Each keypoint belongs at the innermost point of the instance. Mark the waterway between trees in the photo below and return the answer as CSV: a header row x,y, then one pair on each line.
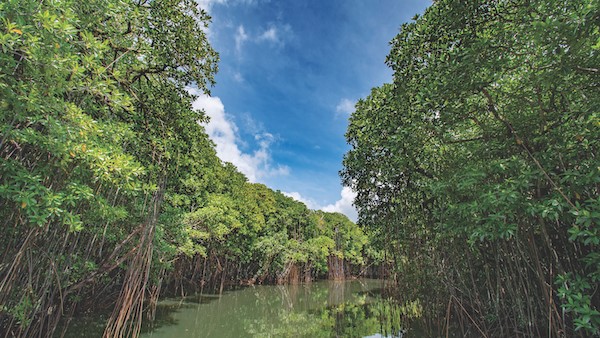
x,y
353,308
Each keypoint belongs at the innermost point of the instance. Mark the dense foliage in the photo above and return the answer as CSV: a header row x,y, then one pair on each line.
x,y
480,163
109,186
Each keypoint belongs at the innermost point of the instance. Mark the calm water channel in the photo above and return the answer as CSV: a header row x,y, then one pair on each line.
x,y
320,309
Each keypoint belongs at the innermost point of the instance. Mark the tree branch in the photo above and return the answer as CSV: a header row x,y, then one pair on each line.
x,y
519,141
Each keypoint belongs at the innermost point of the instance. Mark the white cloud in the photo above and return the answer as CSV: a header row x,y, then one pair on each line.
x,y
206,27
207,4
274,35
344,204
237,76
308,202
269,35
240,38
345,106
223,131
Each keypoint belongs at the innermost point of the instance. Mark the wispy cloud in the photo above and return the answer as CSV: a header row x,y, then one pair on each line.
x,y
345,107
223,131
240,38
238,77
274,35
277,34
207,4
269,35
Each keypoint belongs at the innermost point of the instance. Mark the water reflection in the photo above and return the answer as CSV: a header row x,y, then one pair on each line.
x,y
321,309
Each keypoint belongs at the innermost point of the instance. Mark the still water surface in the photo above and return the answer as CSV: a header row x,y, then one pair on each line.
x,y
353,308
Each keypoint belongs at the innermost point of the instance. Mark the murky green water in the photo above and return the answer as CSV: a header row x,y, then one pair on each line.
x,y
321,309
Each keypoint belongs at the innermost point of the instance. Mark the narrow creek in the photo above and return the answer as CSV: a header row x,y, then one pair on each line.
x,y
353,308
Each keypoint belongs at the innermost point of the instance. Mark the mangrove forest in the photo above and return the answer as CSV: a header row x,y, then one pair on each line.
x,y
476,172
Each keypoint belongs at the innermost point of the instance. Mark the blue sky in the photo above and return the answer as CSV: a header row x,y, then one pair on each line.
x,y
289,75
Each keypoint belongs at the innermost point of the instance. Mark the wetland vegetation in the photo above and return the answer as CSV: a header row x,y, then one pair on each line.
x,y
477,175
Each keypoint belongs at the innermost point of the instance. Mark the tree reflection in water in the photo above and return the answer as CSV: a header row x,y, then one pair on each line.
x,y
345,313
321,309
